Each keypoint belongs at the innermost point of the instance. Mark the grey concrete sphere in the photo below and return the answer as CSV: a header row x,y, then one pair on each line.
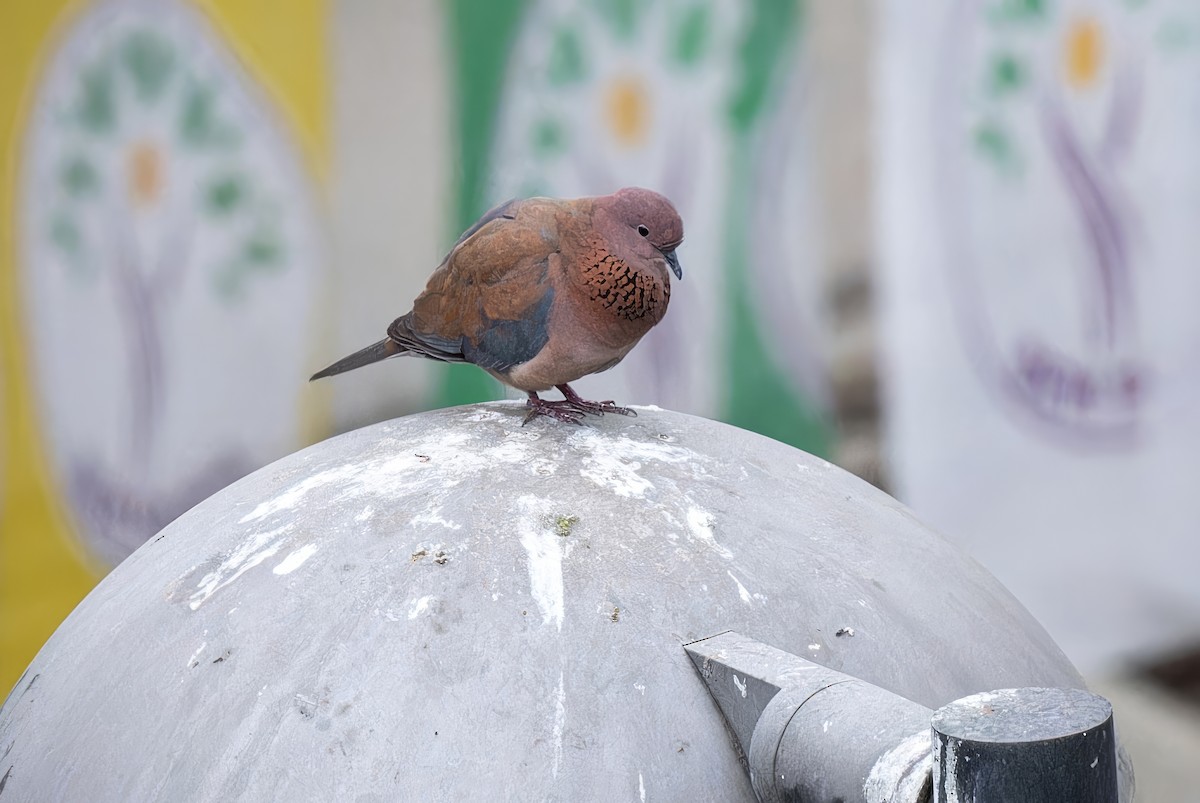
x,y
452,606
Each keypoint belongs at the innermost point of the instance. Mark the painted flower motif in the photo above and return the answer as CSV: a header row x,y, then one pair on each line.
x,y
166,247
601,96
1059,229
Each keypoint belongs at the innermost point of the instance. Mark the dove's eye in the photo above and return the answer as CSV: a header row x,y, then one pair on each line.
x,y
642,230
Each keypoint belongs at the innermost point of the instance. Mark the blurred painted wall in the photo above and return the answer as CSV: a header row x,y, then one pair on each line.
x,y
1037,206
162,259
201,201
206,200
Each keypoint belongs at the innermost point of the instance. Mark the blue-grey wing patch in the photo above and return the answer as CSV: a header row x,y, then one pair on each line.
x,y
427,345
503,345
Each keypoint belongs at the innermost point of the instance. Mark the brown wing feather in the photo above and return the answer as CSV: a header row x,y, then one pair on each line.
x,y
496,274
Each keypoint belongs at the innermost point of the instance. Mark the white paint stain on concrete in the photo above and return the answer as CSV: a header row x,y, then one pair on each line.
x,y
641,788
455,457
675,525
445,458
511,450
419,606
560,722
253,551
542,467
641,687
295,559
545,550
740,685
288,499
902,772
615,473
742,592
194,660
434,516
700,525
484,414
613,463
814,647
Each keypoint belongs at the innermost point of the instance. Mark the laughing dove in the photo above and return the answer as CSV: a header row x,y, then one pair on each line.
x,y
541,292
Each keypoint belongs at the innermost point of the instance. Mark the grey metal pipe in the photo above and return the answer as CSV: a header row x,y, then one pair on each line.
x,y
844,740
811,733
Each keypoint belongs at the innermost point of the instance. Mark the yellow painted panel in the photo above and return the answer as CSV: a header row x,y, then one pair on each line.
x,y
43,571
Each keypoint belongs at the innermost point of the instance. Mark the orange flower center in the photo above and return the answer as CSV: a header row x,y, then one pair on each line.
x,y
1084,56
146,171
628,111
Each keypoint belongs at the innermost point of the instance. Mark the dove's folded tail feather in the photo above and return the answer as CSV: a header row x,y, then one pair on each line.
x,y
373,353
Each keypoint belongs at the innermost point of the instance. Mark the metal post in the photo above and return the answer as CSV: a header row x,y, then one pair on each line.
x,y
1032,745
810,733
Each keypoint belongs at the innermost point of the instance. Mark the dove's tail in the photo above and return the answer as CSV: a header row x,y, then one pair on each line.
x,y
374,353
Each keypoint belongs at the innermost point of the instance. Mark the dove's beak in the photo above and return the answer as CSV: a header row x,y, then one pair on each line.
x,y
673,261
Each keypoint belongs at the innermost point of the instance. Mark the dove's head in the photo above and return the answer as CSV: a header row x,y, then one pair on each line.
x,y
651,225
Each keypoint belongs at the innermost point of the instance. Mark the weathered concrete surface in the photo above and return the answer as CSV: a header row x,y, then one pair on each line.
x,y
451,606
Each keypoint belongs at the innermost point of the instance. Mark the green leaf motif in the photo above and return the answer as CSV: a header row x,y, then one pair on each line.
x,y
199,126
150,60
1019,11
66,236
996,146
771,30
1006,75
691,39
262,252
566,59
225,195
549,138
263,249
1174,36
97,108
79,178
227,282
621,15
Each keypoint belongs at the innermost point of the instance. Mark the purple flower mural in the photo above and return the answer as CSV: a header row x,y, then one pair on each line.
x,y
1042,111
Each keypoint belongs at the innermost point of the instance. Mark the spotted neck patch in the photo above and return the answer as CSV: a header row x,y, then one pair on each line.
x,y
628,293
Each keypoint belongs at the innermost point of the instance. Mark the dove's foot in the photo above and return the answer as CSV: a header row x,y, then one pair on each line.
x,y
573,401
559,410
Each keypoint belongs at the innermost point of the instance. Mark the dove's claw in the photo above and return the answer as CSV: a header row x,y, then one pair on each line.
x,y
559,410
576,402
